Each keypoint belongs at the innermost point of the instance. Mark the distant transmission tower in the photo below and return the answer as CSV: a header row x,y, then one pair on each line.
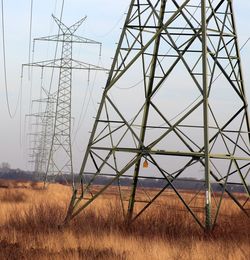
x,y
60,155
174,102
41,141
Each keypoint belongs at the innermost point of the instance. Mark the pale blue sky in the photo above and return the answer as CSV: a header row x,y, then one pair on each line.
x,y
105,17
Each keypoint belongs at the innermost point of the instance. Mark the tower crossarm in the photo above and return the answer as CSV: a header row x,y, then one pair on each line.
x,y
50,100
172,153
56,63
72,39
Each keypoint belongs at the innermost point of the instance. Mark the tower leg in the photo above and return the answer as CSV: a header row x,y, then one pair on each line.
x,y
146,110
206,119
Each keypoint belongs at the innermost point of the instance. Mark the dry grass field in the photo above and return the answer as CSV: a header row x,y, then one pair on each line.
x,y
29,219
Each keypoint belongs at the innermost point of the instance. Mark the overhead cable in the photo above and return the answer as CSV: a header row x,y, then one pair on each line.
x,y
53,69
30,31
4,62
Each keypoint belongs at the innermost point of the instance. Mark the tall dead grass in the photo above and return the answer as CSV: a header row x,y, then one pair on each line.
x,y
10,196
30,230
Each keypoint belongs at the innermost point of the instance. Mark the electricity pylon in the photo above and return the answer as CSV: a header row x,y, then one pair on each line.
x,y
60,155
41,143
185,114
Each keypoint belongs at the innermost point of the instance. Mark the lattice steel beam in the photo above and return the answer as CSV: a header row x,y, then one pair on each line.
x,y
185,110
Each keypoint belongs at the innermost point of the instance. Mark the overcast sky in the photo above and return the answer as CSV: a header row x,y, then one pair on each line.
x,y
105,18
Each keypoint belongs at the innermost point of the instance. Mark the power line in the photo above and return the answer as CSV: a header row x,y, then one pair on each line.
x,y
113,27
86,105
55,6
52,75
19,97
33,50
246,42
241,48
30,30
30,40
57,43
4,62
20,112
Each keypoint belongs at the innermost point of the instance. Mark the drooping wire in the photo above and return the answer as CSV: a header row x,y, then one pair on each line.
x,y
113,27
30,74
20,111
52,75
246,42
30,33
57,43
55,6
241,48
187,107
86,104
33,49
136,84
51,26
4,63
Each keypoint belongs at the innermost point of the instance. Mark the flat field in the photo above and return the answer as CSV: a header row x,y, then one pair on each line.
x,y
30,219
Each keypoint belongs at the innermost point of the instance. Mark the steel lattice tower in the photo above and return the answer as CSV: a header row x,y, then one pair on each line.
x,y
60,155
47,133
48,128
41,143
185,113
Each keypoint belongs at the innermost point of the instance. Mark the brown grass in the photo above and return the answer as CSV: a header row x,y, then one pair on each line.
x,y
12,196
30,218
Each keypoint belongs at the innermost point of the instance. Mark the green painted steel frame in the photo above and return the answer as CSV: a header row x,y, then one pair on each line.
x,y
204,155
